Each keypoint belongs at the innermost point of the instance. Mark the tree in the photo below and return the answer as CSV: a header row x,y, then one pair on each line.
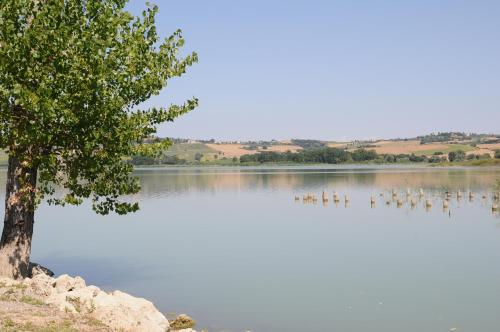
x,y
458,155
73,75
418,159
363,155
435,159
497,154
198,156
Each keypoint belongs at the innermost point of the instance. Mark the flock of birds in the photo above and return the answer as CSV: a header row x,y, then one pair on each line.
x,y
410,197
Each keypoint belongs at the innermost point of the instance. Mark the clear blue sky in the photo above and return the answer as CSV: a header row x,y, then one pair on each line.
x,y
334,69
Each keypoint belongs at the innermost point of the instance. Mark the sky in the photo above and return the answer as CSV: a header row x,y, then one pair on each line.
x,y
333,70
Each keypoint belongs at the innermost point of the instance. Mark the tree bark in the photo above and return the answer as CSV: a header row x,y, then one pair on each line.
x,y
15,245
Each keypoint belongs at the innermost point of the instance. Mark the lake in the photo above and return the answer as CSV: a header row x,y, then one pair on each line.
x,y
232,248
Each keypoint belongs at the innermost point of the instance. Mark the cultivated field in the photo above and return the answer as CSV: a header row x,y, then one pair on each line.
x,y
414,146
237,150
407,147
338,145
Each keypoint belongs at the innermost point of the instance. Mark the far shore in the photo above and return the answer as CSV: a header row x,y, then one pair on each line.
x,y
486,164
473,163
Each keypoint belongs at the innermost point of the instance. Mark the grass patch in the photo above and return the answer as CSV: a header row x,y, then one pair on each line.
x,y
64,326
30,300
188,151
19,286
39,314
91,321
7,322
5,298
9,325
7,295
15,286
480,163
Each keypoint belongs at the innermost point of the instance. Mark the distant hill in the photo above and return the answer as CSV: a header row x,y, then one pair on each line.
x,y
189,151
459,137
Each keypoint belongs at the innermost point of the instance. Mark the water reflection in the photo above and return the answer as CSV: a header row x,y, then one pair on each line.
x,y
182,181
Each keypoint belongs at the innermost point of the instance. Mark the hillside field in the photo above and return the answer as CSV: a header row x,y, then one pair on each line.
x,y
237,150
414,146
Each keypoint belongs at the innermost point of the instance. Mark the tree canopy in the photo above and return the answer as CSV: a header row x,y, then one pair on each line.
x,y
73,76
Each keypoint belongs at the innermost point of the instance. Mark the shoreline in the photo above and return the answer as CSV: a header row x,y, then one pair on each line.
x,y
491,163
318,166
470,163
64,303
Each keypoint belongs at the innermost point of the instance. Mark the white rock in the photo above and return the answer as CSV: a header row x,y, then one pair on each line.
x,y
65,283
118,310
41,284
123,311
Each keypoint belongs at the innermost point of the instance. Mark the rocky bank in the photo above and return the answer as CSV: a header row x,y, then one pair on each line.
x,y
67,304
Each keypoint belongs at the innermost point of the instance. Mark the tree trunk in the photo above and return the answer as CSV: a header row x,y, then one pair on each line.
x,y
15,245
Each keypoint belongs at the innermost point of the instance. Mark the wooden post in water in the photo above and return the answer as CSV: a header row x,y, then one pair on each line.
x,y
399,203
445,204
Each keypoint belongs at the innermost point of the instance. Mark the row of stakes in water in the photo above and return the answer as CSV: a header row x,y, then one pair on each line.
x,y
311,198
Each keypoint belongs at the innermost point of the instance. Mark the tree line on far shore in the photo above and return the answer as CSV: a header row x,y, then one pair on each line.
x,y
324,155
339,156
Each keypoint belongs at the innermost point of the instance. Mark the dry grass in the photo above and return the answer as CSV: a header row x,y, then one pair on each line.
x,y
414,146
338,145
491,147
20,310
237,150
481,151
19,316
283,148
407,147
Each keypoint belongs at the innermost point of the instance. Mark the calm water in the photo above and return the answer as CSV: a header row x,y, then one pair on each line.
x,y
233,249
